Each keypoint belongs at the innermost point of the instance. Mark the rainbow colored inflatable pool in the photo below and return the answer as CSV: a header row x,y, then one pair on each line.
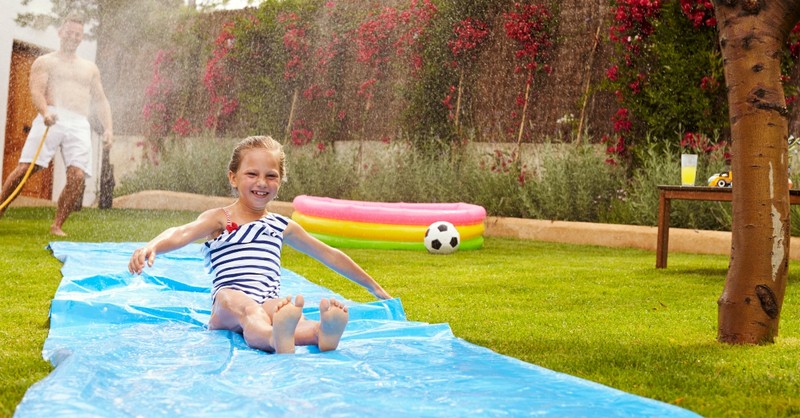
x,y
360,224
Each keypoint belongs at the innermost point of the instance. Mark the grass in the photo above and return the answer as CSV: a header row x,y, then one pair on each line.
x,y
602,314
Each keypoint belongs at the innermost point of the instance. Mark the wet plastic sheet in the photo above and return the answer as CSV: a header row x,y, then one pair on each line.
x,y
128,345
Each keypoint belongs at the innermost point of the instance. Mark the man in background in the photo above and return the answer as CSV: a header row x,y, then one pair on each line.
x,y
65,88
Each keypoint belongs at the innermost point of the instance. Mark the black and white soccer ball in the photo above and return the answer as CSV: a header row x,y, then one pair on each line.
x,y
442,238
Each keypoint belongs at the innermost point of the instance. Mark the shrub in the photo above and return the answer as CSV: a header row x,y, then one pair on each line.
x,y
565,182
192,165
575,184
668,77
316,173
659,166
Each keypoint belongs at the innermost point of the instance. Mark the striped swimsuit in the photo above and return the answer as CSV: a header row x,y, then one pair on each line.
x,y
248,258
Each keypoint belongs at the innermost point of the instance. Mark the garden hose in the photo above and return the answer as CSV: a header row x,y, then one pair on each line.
x,y
27,173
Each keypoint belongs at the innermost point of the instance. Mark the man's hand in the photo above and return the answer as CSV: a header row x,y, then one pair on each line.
x,y
108,139
50,119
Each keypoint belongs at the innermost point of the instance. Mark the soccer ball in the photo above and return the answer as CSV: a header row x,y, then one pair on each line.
x,y
442,238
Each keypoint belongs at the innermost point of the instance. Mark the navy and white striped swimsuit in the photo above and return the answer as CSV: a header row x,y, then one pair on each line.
x,y
248,259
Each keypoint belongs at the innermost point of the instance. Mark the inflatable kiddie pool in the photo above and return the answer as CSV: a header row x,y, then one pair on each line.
x,y
360,224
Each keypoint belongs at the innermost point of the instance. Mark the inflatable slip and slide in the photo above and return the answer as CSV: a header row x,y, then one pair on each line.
x,y
125,345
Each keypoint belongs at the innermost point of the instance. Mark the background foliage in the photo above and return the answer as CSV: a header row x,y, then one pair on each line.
x,y
324,71
569,182
668,79
425,79
375,70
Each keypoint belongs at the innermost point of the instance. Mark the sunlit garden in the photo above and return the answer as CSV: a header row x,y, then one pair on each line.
x,y
543,110
416,89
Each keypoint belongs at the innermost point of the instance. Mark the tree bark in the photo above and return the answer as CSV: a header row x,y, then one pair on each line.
x,y
752,35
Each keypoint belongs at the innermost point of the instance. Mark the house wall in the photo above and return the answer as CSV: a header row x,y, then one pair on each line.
x,y
46,40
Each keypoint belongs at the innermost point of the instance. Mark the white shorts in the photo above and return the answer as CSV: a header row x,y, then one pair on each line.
x,y
71,132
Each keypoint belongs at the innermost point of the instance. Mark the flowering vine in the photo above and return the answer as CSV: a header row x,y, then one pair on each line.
x,y
791,71
391,33
699,12
660,42
296,44
386,36
531,27
218,81
157,96
794,42
301,134
324,56
698,143
632,25
155,112
469,35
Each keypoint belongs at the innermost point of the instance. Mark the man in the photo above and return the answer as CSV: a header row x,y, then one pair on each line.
x,y
64,88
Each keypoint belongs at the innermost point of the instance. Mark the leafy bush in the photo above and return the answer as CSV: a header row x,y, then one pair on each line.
x,y
317,174
659,166
668,76
575,184
196,165
566,182
687,56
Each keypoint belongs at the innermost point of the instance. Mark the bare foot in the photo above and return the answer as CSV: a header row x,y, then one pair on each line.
x,y
333,318
284,322
56,230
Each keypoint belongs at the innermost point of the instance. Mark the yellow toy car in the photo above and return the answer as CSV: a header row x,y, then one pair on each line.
x,y
723,179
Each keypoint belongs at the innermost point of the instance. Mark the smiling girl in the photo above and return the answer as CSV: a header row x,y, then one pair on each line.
x,y
243,252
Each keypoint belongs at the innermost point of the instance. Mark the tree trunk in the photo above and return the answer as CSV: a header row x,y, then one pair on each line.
x,y
752,35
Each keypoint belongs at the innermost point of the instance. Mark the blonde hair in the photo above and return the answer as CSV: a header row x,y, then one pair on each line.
x,y
258,142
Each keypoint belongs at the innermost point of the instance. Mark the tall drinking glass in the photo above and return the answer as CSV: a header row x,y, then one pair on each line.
x,y
688,169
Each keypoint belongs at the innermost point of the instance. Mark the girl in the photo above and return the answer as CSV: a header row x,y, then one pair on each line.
x,y
244,251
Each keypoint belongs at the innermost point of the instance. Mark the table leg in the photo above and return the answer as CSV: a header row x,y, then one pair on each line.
x,y
662,243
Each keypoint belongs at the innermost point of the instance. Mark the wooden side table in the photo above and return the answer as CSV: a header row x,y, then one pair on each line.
x,y
668,193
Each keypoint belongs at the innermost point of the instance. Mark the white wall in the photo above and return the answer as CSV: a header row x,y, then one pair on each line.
x,y
46,40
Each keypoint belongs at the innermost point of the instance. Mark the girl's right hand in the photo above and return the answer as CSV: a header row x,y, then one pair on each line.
x,y
141,257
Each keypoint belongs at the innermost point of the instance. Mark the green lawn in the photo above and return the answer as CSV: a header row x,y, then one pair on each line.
x,y
603,314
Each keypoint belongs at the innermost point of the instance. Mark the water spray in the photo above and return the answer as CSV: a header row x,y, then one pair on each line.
x,y
27,173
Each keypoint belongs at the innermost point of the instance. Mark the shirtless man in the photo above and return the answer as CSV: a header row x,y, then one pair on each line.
x,y
64,88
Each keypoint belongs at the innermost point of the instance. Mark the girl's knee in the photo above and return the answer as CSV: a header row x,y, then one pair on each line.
x,y
256,313
233,311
